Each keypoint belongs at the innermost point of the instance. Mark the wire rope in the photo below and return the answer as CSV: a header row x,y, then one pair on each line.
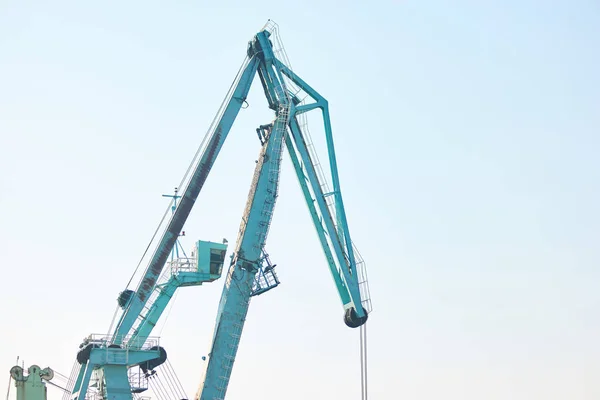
x,y
363,362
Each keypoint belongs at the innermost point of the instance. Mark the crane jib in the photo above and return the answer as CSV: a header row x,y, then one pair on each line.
x,y
207,159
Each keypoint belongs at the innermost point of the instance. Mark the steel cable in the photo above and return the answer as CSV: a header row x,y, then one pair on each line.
x,y
363,362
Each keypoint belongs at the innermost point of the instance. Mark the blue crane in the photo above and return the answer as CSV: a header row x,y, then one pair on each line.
x,y
108,359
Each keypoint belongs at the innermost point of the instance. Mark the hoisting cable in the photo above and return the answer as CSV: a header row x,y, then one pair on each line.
x,y
362,368
159,382
195,160
184,181
156,388
63,382
150,243
8,391
66,378
166,382
9,379
71,380
363,362
168,313
176,380
169,375
114,318
60,387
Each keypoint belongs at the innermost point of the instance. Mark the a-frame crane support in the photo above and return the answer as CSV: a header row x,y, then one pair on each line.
x,y
333,231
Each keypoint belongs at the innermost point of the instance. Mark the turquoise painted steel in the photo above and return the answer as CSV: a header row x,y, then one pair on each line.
x,y
209,265
247,259
235,298
211,257
340,212
112,372
112,363
187,201
165,294
31,386
326,222
124,329
253,231
321,232
340,235
114,381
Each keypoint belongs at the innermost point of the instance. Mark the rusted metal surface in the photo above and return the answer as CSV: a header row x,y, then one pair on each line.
x,y
188,199
181,213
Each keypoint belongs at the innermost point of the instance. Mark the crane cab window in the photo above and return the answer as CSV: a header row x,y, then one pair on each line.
x,y
217,258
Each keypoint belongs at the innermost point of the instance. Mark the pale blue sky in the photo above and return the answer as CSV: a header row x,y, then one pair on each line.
x,y
467,136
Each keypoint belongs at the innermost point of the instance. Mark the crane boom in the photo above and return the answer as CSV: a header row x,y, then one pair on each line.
x,y
329,216
207,159
245,265
253,232
129,344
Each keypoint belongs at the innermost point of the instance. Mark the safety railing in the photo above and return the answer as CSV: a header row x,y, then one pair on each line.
x,y
129,343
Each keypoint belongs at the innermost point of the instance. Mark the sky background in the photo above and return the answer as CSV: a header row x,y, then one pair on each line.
x,y
467,142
